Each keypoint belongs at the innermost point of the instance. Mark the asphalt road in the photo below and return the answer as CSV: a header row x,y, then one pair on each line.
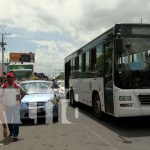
x,y
83,132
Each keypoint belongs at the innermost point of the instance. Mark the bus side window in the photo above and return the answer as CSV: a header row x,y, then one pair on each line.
x,y
83,62
100,60
93,59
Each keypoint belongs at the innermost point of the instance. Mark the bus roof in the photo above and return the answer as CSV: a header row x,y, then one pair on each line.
x,y
90,42
110,29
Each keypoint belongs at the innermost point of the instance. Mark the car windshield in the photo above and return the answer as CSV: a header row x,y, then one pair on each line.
x,y
36,87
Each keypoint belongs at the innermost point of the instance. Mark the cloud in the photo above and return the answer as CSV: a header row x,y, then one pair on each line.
x,y
81,20
50,55
76,21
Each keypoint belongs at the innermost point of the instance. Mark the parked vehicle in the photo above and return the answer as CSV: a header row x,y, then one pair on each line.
x,y
39,100
61,88
58,88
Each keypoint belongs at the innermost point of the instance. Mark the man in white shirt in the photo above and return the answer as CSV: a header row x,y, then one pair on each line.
x,y
12,107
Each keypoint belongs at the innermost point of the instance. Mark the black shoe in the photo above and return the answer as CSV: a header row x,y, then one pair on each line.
x,y
15,139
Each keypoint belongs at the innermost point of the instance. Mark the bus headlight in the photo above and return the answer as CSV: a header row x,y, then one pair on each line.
x,y
124,98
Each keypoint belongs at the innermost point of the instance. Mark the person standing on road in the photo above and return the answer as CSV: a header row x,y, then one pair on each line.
x,y
12,106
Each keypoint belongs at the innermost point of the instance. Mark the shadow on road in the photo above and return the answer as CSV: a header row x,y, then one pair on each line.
x,y
124,127
30,122
9,140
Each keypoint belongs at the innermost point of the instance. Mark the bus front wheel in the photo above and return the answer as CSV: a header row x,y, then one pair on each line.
x,y
97,107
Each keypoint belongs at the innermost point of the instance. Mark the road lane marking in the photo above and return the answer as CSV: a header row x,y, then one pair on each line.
x,y
99,137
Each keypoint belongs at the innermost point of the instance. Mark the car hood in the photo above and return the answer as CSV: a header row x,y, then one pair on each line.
x,y
37,98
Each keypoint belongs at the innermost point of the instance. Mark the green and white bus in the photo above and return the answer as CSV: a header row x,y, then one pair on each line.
x,y
112,72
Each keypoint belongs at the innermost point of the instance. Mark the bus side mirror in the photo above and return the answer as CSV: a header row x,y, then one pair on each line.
x,y
118,45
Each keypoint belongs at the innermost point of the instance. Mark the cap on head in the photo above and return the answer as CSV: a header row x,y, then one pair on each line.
x,y
10,74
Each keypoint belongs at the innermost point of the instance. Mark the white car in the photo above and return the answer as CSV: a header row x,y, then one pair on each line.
x,y
58,88
61,88
39,101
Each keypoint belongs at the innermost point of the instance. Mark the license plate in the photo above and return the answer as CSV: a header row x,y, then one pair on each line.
x,y
33,111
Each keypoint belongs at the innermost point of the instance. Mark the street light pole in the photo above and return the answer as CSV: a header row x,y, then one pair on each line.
x,y
3,49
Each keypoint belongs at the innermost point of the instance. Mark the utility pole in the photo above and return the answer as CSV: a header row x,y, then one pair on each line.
x,y
141,20
59,72
3,49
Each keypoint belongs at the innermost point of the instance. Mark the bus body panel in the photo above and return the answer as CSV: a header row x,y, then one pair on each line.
x,y
81,89
135,107
143,97
126,108
84,88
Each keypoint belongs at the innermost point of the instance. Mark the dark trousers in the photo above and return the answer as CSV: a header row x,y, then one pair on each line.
x,y
14,129
13,119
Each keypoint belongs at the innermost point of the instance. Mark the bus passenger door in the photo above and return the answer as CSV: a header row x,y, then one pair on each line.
x,y
108,84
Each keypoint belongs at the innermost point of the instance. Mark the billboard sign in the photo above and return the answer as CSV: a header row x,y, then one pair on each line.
x,y
14,66
21,57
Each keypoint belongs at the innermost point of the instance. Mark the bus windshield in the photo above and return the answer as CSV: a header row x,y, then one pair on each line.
x,y
22,74
132,63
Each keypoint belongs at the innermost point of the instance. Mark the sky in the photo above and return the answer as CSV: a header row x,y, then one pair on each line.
x,y
53,29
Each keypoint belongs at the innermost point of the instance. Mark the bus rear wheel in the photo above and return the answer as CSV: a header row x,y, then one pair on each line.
x,y
97,107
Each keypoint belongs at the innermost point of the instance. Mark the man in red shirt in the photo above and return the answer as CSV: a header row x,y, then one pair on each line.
x,y
12,107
